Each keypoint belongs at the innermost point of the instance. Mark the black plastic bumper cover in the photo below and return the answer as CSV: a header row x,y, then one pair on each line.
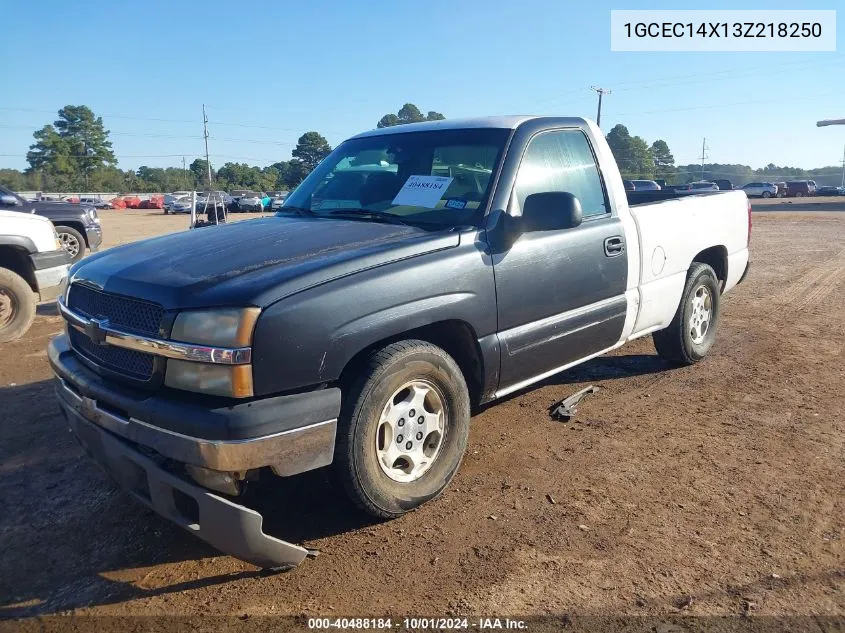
x,y
227,526
195,415
49,259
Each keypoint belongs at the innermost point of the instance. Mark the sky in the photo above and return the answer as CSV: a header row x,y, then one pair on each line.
x,y
269,71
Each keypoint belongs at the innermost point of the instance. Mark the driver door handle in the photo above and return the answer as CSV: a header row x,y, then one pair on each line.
x,y
614,246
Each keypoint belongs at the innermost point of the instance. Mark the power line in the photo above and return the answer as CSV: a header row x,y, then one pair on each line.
x,y
726,105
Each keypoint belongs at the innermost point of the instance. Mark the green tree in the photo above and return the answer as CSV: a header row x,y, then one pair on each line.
x,y
641,160
408,113
664,162
310,149
71,149
199,168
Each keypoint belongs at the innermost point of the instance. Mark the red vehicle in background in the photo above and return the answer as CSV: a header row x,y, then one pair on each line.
x,y
132,202
118,203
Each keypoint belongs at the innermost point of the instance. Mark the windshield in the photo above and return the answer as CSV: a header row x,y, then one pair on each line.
x,y
436,179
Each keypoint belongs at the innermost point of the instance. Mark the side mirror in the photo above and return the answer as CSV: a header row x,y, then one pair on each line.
x,y
8,201
551,211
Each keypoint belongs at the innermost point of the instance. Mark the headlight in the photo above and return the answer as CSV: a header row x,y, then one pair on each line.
x,y
229,327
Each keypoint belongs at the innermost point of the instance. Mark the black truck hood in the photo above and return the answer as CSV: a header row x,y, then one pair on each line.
x,y
252,262
56,209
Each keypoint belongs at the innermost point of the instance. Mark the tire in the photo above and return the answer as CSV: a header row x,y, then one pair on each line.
x,y
799,194
17,306
365,437
766,194
676,343
72,241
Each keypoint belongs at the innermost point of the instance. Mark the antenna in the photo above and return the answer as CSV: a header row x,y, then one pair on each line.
x,y
601,92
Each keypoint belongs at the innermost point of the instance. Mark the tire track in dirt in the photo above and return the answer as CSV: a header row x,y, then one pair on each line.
x,y
824,288
814,285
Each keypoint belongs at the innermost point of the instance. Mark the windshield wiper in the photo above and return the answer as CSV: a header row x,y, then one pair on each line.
x,y
298,210
369,214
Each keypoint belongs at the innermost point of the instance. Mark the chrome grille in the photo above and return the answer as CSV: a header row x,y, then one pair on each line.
x,y
134,364
122,312
125,313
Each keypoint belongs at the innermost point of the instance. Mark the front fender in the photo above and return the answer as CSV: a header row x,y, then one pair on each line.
x,y
309,338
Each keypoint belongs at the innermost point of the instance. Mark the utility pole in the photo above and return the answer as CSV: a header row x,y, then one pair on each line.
x,y
601,92
184,175
205,135
843,167
704,156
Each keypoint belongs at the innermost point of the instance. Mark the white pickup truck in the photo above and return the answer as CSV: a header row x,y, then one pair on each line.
x,y
418,271
33,268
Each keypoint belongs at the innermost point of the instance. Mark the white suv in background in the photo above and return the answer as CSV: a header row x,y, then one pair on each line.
x,y
760,190
33,268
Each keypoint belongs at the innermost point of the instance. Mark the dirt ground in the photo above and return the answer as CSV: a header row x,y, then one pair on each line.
x,y
713,489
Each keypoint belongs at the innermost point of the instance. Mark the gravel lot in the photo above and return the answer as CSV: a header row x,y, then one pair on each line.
x,y
713,489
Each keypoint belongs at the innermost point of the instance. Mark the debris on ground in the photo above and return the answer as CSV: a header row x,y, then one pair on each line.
x,y
566,409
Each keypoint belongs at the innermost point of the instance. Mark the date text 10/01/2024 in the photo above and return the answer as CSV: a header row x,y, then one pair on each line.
x,y
416,624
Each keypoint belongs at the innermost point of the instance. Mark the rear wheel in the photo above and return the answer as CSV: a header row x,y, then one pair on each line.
x,y
766,194
403,429
17,306
72,241
799,194
692,331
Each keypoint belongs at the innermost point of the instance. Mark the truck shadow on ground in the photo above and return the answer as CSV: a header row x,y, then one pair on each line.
x,y
597,370
70,538
76,540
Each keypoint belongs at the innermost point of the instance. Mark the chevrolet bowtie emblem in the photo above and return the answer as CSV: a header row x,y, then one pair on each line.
x,y
96,330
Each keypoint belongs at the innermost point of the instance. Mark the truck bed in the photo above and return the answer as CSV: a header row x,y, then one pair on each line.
x,y
646,197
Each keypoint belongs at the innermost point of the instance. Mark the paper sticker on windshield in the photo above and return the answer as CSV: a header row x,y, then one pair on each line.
x,y
422,191
456,203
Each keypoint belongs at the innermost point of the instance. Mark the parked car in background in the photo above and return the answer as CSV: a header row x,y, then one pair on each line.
x,y
646,185
277,199
96,201
77,225
760,190
171,198
181,205
132,202
698,187
830,190
723,184
153,202
33,268
251,201
800,188
629,185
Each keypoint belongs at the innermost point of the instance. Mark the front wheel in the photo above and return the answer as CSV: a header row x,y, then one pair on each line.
x,y
72,241
17,306
692,331
403,428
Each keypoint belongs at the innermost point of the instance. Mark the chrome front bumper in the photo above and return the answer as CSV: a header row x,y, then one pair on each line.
x,y
227,526
287,453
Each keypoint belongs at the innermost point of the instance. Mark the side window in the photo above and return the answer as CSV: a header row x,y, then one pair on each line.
x,y
562,161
